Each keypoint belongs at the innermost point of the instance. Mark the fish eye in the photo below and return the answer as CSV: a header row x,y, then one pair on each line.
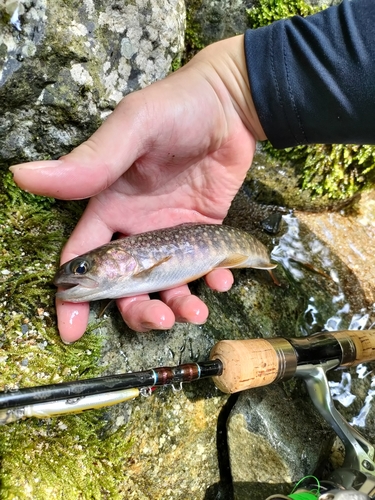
x,y
80,267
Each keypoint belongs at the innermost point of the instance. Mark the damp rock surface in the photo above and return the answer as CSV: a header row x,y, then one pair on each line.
x,y
265,457
65,65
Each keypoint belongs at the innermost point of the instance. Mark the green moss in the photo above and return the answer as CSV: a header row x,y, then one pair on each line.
x,y
338,171
16,195
4,16
52,459
193,39
268,11
31,241
176,63
193,35
33,230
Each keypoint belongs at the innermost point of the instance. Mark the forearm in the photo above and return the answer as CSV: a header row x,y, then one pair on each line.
x,y
312,80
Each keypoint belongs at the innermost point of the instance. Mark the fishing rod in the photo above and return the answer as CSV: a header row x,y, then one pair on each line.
x,y
74,397
234,365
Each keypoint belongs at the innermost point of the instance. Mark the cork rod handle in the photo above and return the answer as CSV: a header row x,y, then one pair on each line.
x,y
364,342
246,364
258,362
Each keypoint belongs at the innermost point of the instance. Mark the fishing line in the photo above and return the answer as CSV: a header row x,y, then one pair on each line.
x,y
303,496
306,495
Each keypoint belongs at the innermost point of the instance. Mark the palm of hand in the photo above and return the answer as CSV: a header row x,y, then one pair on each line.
x,y
193,163
171,189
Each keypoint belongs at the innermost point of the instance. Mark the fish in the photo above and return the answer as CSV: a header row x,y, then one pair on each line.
x,y
158,260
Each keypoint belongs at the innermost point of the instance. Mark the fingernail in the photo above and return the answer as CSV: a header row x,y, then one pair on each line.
x,y
148,326
35,165
180,319
66,342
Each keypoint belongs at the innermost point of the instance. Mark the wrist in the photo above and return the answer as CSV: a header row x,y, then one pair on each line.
x,y
227,59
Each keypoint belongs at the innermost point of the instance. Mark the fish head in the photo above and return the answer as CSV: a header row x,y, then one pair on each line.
x,y
96,275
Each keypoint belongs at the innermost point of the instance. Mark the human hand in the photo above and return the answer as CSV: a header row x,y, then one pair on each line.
x,y
176,151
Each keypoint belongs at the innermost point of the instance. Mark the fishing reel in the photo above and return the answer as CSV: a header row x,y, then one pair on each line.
x,y
355,480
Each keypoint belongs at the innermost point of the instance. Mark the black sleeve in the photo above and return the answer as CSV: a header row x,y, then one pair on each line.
x,y
313,79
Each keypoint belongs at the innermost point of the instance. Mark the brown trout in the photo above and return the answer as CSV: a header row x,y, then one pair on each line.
x,y
158,260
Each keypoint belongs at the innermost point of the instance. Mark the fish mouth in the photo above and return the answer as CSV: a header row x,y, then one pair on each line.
x,y
70,281
76,293
75,288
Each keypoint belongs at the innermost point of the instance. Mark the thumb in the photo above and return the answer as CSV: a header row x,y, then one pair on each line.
x,y
92,166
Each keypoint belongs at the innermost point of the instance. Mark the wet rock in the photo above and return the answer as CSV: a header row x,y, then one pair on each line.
x,y
272,223
269,453
350,234
65,65
307,302
174,451
171,444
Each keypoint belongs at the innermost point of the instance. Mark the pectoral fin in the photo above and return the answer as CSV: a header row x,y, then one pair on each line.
x,y
146,271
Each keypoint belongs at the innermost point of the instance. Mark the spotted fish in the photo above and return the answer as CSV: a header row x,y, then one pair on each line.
x,y
158,260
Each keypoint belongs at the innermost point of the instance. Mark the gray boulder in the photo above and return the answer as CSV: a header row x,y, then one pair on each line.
x,y
274,440
65,65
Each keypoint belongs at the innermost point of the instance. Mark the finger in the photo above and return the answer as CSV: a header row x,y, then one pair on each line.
x,y
90,232
220,280
72,320
143,314
92,166
186,307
